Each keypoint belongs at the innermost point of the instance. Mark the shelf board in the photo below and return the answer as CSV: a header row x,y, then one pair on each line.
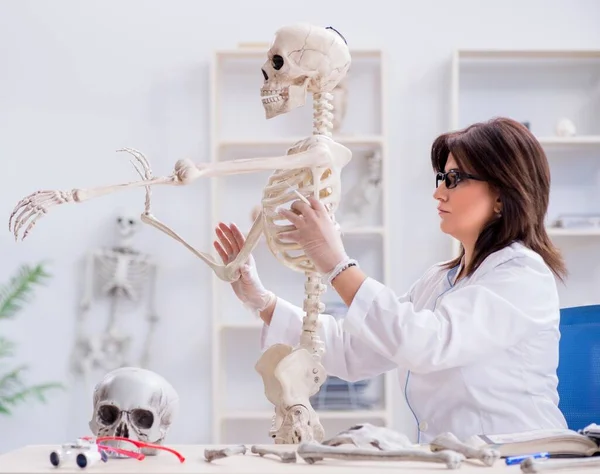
x,y
570,141
566,232
323,414
254,325
251,52
289,141
372,230
527,54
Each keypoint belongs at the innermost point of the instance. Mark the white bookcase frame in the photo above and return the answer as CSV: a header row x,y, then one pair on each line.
x,y
575,73
377,235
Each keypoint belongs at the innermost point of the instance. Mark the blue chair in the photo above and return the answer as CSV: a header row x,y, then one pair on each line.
x,y
579,365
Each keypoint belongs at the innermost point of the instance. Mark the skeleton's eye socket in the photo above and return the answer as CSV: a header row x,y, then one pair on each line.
x,y
277,62
119,219
143,419
108,414
131,222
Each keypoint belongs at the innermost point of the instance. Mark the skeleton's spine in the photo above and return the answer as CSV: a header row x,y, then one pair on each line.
x,y
314,288
322,114
313,306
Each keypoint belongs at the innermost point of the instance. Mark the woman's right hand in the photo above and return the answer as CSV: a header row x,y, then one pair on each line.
x,y
248,288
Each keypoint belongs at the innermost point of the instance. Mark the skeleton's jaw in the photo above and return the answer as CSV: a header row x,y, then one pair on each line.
x,y
278,99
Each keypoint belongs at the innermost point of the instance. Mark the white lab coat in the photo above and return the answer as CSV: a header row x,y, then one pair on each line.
x,y
481,355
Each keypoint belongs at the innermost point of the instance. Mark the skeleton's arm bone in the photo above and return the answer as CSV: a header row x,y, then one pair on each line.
x,y
317,155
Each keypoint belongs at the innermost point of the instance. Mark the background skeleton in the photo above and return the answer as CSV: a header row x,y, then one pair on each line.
x,y
123,275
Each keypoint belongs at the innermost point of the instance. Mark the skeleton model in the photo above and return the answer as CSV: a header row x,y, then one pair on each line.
x,y
363,197
302,58
133,403
121,272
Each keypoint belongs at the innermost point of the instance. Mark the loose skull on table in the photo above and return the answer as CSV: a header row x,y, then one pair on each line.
x,y
134,403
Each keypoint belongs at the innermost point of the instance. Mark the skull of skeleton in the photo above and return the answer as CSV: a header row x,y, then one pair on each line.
x,y
302,58
128,224
133,403
367,435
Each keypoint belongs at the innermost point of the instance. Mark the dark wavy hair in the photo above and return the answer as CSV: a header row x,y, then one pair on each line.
x,y
505,153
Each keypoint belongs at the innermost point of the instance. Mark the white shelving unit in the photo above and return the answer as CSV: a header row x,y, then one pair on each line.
x,y
541,87
241,412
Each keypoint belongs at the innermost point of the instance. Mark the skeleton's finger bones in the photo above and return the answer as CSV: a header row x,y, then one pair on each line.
x,y
285,456
312,452
449,441
212,454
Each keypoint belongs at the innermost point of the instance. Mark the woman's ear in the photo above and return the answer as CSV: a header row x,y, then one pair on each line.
x,y
498,206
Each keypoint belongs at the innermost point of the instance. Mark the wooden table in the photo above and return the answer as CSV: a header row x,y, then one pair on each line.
x,y
35,460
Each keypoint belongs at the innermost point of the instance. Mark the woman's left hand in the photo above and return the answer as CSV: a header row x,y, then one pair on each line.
x,y
316,233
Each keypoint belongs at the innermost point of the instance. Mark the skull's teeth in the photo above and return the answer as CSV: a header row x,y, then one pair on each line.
x,y
273,95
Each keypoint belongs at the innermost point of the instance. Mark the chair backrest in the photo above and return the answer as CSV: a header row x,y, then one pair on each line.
x,y
579,365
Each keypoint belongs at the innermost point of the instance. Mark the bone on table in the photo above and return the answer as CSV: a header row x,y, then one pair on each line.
x,y
449,441
285,456
212,454
531,465
312,452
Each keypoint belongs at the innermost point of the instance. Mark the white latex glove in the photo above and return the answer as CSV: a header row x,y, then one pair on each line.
x,y
248,287
317,234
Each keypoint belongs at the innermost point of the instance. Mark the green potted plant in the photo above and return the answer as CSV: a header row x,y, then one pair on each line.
x,y
13,295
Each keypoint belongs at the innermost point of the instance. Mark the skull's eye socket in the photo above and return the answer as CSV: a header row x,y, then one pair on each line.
x,y
277,62
108,414
143,419
130,221
119,219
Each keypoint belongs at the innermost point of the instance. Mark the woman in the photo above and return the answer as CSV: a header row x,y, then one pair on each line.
x,y
478,335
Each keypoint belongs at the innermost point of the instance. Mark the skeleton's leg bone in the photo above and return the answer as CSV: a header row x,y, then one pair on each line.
x,y
285,456
212,454
531,465
312,452
449,441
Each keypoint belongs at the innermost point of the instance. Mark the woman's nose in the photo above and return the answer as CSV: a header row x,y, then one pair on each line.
x,y
441,193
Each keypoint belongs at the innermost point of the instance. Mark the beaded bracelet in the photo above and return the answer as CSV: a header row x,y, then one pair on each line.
x,y
340,267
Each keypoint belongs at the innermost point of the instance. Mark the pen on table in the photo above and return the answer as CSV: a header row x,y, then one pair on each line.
x,y
517,459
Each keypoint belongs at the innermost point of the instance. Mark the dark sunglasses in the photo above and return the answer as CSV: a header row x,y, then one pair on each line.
x,y
452,177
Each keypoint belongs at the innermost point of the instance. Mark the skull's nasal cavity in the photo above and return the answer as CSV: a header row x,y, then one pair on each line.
x,y
122,431
265,75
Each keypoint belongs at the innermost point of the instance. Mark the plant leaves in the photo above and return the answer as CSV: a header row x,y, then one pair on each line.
x,y
35,391
19,289
12,298
6,348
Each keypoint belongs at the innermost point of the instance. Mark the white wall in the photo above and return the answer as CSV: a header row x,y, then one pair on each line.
x,y
81,79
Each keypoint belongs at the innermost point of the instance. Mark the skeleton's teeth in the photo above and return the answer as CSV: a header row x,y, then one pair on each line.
x,y
272,95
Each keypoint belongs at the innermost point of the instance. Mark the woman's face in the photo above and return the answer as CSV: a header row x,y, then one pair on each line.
x,y
465,209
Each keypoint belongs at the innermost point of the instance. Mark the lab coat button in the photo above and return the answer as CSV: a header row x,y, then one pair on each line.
x,y
423,426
